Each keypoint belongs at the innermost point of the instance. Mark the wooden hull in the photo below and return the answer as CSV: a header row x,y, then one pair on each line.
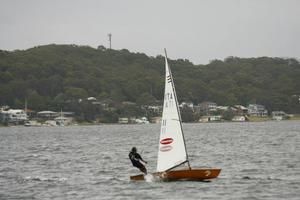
x,y
192,175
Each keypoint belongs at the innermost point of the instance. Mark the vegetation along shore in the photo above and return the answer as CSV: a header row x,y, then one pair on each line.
x,y
105,85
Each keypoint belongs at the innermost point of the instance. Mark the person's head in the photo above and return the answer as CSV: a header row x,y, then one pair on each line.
x,y
134,149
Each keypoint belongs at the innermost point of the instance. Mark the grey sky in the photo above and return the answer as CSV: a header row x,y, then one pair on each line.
x,y
198,30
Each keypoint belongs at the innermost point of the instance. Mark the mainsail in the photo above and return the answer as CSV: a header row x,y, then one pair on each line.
x,y
172,150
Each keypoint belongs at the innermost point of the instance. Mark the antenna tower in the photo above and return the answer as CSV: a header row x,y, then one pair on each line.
x,y
109,39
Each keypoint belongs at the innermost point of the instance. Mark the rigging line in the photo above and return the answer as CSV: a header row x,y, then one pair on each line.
x,y
178,165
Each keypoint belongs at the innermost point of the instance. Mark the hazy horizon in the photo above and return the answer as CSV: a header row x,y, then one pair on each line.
x,y
199,31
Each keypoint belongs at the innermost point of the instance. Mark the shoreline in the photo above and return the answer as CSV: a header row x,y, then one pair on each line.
x,y
117,124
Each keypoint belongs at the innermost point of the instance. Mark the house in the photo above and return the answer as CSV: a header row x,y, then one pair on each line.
x,y
257,110
47,114
197,109
68,114
16,116
154,109
208,106
4,117
239,110
187,104
279,115
214,118
3,108
123,120
222,108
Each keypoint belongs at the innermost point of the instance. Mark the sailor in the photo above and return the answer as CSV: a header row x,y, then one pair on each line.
x,y
136,160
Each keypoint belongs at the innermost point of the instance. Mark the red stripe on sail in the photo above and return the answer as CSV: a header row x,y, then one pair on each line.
x,y
166,148
166,141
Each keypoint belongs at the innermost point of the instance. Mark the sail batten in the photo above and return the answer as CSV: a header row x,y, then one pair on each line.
x,y
172,149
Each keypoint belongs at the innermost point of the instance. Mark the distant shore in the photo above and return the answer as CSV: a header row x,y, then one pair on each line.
x,y
262,119
251,119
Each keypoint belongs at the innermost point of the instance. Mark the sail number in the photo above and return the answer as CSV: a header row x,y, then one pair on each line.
x,y
207,172
169,100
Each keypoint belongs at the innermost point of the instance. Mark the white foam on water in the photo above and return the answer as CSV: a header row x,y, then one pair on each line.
x,y
41,178
149,178
62,179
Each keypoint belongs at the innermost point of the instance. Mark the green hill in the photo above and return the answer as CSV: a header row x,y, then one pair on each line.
x,y
52,76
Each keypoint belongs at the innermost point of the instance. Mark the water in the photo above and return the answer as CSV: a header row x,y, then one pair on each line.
x,y
258,161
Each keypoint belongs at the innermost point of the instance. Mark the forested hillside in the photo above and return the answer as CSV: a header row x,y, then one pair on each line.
x,y
51,76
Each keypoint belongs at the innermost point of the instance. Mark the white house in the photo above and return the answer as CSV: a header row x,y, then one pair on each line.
x,y
257,110
14,116
186,104
214,118
155,109
123,120
278,115
48,114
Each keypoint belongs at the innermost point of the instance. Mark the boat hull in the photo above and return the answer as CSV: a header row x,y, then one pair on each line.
x,y
192,175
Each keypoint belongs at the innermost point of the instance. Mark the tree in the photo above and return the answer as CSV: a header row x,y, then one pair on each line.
x,y
228,115
145,99
56,75
76,93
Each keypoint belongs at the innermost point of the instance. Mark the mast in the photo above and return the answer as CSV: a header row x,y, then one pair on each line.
x,y
25,108
178,112
61,116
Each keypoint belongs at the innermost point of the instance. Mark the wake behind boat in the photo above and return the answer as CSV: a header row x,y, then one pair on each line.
x,y
172,152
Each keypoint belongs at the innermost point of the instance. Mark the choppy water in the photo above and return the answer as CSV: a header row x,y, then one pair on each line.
x,y
258,161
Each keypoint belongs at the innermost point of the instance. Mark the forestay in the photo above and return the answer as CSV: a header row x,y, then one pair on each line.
x,y
172,150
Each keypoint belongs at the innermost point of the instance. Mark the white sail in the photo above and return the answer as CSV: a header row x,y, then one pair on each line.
x,y
172,150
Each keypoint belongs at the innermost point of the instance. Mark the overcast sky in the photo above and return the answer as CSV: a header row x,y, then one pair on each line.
x,y
198,30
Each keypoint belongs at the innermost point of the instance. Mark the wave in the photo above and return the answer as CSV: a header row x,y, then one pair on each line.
x,y
44,179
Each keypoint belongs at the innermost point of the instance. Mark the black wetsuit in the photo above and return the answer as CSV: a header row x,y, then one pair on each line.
x,y
135,159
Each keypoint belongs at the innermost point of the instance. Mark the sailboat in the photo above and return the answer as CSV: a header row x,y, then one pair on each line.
x,y
60,121
172,152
